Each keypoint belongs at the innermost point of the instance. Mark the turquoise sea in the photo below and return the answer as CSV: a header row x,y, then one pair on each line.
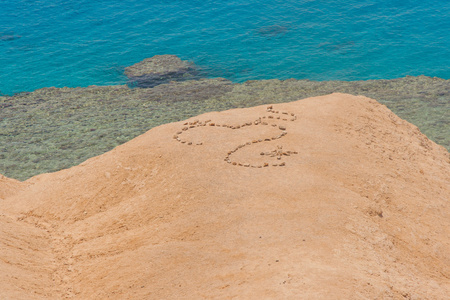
x,y
46,43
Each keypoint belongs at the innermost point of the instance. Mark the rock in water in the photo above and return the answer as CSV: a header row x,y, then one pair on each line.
x,y
273,30
9,37
160,69
360,211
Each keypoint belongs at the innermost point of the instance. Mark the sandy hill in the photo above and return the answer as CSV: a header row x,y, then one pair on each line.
x,y
331,197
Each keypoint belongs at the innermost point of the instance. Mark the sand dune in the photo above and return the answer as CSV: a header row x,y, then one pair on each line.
x,y
323,198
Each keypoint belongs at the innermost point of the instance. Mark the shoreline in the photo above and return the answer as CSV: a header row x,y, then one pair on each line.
x,y
234,82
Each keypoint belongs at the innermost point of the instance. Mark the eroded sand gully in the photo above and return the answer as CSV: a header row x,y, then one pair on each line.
x,y
332,195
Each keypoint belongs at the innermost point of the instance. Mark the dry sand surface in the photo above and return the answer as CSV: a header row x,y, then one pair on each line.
x,y
358,209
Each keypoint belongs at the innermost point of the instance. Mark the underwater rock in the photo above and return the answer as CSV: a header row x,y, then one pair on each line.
x,y
273,30
9,37
160,69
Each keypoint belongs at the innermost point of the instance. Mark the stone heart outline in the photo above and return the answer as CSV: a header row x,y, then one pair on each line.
x,y
279,153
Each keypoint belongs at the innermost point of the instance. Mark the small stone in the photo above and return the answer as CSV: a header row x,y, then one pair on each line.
x,y
284,119
192,126
183,142
175,137
282,127
199,143
224,125
246,165
292,119
179,132
270,117
282,164
266,164
234,163
238,126
278,118
212,124
207,121
186,123
267,140
284,113
190,143
269,107
265,123
274,165
262,153
254,141
292,114
248,143
259,141
185,128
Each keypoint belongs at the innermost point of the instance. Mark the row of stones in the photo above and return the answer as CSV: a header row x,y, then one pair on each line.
x,y
261,120
278,153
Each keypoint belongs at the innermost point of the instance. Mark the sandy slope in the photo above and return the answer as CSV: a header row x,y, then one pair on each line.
x,y
358,210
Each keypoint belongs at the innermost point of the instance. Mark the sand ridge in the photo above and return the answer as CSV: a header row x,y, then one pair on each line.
x,y
359,210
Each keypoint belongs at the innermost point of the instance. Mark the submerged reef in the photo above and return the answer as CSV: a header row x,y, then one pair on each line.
x,y
160,69
55,128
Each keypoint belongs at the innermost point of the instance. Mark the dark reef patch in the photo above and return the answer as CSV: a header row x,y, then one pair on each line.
x,y
272,31
160,69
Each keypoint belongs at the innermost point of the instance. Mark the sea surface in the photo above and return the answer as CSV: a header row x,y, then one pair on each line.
x,y
45,43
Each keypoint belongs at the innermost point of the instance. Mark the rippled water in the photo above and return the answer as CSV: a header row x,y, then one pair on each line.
x,y
80,43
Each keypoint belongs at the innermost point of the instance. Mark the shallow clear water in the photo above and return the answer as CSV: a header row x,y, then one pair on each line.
x,y
79,43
